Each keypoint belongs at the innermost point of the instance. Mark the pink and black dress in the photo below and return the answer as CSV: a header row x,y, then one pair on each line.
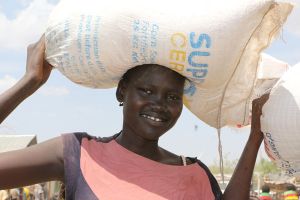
x,y
100,168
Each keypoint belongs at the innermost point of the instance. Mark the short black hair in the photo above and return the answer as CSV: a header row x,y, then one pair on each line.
x,y
128,74
265,188
291,187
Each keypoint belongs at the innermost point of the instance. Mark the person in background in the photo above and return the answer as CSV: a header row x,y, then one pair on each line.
x,y
38,192
14,194
4,195
31,191
290,193
45,191
27,193
265,193
22,194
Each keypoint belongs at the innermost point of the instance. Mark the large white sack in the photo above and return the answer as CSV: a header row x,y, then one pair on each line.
x,y
216,44
280,122
269,71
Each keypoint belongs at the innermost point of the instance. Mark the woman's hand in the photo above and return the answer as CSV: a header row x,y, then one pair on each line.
x,y
37,73
257,105
37,68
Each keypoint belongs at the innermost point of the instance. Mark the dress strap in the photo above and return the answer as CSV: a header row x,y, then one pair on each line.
x,y
183,160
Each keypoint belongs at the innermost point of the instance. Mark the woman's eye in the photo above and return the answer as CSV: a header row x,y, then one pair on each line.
x,y
146,91
173,97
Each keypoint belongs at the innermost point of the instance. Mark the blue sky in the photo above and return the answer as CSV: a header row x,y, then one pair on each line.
x,y
61,106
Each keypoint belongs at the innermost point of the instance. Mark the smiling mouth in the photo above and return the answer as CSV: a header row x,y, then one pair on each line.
x,y
156,119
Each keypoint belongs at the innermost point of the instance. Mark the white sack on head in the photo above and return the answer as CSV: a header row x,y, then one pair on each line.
x,y
216,44
280,122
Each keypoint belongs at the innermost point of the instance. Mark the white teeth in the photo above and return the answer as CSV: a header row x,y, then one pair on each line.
x,y
152,118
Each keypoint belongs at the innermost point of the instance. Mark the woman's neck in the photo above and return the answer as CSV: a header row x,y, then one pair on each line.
x,y
139,145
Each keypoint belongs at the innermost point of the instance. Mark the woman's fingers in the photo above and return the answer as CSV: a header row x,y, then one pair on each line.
x,y
257,105
37,68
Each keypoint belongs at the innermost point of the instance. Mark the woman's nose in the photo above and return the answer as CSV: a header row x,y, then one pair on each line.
x,y
159,102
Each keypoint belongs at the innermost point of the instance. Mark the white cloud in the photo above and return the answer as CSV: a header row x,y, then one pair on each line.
x,y
6,82
293,21
27,27
54,91
7,129
25,2
11,66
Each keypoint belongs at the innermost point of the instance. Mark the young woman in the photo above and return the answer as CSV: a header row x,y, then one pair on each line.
x,y
130,164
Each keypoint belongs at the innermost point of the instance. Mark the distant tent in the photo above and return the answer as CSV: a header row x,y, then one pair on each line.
x,y
15,142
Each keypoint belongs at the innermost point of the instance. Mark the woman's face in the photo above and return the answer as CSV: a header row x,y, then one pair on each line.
x,y
152,101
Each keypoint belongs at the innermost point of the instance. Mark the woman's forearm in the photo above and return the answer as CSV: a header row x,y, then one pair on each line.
x,y
239,185
11,98
37,73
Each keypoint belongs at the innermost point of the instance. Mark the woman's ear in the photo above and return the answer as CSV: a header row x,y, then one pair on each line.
x,y
121,91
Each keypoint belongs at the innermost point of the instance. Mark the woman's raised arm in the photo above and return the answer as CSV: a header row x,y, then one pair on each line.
x,y
41,162
37,73
239,185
